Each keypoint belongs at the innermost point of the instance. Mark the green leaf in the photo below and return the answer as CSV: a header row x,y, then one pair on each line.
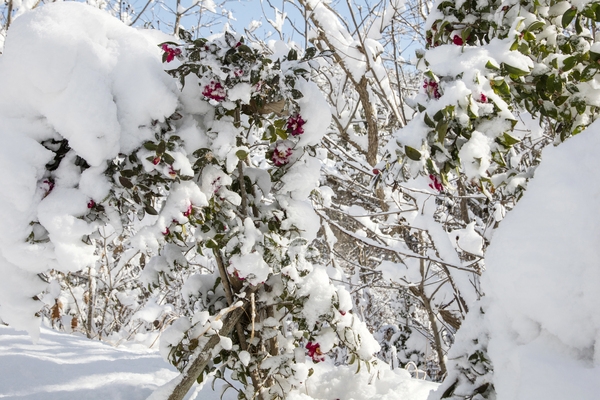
x,y
568,16
442,129
501,88
168,158
498,158
534,26
588,73
150,210
514,70
509,140
201,152
309,53
125,182
282,133
292,55
578,25
502,140
569,63
412,153
428,121
492,66
528,36
150,146
560,100
465,34
241,154
162,146
211,244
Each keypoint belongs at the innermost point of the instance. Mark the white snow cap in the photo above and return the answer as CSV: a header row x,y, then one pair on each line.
x,y
68,71
542,280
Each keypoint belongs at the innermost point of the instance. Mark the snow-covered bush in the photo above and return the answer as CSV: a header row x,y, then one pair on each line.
x,y
514,66
204,193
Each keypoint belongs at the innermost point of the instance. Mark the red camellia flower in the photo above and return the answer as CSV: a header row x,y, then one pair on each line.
x,y
436,184
188,212
47,185
166,231
236,273
295,125
457,40
91,204
432,89
314,352
156,160
281,154
214,91
375,171
483,98
171,52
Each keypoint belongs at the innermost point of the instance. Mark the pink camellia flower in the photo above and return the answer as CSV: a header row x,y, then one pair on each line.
x,y
214,91
166,231
238,73
314,352
156,160
436,184
91,204
457,40
295,125
432,89
171,52
281,153
188,212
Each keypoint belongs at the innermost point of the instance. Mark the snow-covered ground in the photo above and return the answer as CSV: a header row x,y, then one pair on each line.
x,y
63,366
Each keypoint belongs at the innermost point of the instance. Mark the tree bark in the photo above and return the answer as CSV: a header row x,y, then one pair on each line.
x,y
193,370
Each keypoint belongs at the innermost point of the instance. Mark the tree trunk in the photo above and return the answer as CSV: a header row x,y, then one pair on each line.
x,y
195,367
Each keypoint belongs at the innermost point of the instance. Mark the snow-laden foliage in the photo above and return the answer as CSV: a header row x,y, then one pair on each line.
x,y
90,91
537,325
474,135
202,196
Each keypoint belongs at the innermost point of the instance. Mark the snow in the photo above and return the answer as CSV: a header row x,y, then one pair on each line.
x,y
542,280
64,366
329,382
68,71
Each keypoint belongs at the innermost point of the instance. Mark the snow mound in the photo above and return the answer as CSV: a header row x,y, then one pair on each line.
x,y
345,382
62,366
68,71
543,278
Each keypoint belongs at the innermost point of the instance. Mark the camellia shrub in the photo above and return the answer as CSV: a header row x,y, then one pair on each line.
x,y
186,191
228,178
